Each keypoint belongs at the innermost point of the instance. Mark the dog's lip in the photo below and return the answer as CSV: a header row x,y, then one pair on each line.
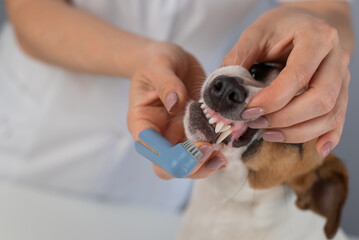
x,y
197,121
223,126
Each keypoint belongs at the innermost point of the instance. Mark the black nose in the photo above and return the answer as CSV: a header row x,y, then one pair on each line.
x,y
226,93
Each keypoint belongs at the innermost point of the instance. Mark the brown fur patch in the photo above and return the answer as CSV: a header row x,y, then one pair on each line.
x,y
321,184
324,191
276,163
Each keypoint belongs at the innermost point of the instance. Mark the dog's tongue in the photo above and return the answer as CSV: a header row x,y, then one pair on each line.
x,y
238,129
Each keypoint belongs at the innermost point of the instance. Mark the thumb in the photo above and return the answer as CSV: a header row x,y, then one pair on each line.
x,y
247,50
171,90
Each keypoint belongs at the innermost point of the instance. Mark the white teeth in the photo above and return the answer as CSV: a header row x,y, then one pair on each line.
x,y
219,127
205,111
201,100
223,136
212,120
225,128
208,116
203,106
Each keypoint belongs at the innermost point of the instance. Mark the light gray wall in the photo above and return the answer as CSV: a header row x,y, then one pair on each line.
x,y
347,149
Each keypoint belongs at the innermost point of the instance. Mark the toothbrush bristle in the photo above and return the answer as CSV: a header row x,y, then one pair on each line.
x,y
192,149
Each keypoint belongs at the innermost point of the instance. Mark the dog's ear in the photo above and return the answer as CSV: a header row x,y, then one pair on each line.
x,y
324,191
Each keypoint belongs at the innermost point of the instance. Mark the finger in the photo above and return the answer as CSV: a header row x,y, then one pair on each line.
x,y
214,163
162,174
170,89
311,129
319,99
308,52
174,132
140,118
247,50
329,140
206,150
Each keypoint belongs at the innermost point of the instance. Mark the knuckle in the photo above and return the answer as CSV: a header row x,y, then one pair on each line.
x,y
302,75
345,58
348,78
279,100
338,116
329,33
336,137
327,100
302,137
333,36
160,60
250,34
284,120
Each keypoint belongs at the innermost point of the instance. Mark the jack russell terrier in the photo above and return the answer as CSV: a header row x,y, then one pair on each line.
x,y
266,187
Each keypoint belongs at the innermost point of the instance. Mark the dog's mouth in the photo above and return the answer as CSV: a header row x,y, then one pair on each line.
x,y
208,125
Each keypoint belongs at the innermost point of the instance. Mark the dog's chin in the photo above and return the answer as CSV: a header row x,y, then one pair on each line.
x,y
198,128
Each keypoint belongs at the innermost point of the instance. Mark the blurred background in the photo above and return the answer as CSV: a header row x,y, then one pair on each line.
x,y
347,149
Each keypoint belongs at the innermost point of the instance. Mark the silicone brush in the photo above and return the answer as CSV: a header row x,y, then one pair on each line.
x,y
178,160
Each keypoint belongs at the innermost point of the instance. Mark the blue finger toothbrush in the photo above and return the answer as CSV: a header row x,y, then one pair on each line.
x,y
178,160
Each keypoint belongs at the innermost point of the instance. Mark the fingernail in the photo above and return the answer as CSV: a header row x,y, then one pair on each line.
x,y
261,122
171,100
206,151
273,136
215,163
326,149
252,113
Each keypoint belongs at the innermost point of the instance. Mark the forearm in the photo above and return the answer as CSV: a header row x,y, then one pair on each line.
x,y
337,14
55,32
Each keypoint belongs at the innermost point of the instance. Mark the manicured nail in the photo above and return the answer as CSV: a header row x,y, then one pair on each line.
x,y
326,149
252,113
215,163
171,100
273,136
261,122
206,151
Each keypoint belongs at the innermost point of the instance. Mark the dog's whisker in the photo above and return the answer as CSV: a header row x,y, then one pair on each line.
x,y
244,58
235,58
237,191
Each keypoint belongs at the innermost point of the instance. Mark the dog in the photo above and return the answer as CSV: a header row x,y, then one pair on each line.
x,y
266,188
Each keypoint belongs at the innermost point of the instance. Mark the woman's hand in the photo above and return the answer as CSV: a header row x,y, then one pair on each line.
x,y
166,77
315,59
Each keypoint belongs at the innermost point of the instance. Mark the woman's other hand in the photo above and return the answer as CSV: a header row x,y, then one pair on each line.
x,y
166,77
315,52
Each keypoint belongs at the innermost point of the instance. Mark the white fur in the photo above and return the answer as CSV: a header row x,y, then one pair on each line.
x,y
224,206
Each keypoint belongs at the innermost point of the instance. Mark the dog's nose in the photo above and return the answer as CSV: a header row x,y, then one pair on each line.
x,y
226,92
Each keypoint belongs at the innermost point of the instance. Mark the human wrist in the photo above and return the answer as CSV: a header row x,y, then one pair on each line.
x,y
126,59
160,53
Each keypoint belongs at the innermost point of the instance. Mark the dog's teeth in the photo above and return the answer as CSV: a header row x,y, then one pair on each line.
x,y
208,116
203,106
201,100
219,127
225,128
205,111
212,120
223,136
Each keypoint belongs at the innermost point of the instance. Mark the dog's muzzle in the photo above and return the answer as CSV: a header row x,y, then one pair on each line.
x,y
217,117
